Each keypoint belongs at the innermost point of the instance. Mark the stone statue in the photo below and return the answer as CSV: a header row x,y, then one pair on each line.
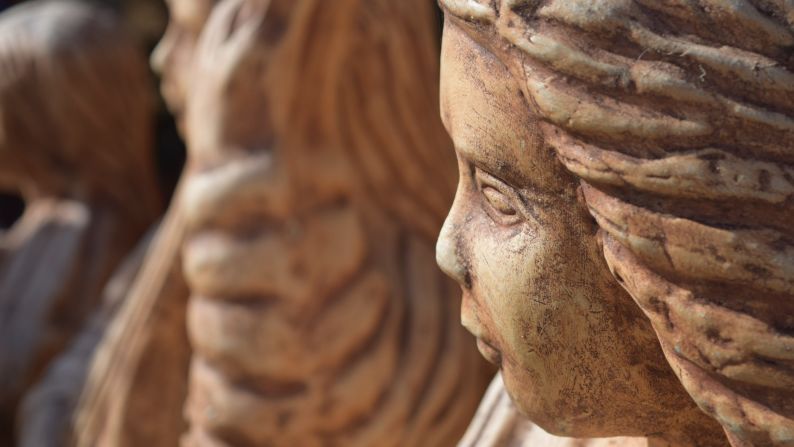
x,y
172,59
319,175
141,368
75,143
632,142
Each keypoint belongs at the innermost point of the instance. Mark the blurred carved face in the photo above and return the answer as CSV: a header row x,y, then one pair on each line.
x,y
173,57
576,355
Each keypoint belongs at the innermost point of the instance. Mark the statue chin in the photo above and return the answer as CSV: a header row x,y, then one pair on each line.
x,y
498,423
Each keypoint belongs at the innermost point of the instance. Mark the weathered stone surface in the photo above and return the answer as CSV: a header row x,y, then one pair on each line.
x,y
498,423
671,124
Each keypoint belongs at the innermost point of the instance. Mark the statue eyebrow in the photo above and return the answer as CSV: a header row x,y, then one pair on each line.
x,y
525,188
473,154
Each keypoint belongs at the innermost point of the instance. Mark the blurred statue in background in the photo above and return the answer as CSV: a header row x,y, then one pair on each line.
x,y
633,143
312,195
172,59
76,144
319,175
141,368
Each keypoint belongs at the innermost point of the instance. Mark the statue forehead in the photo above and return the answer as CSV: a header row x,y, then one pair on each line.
x,y
488,117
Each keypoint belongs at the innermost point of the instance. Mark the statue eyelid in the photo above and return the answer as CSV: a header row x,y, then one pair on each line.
x,y
499,197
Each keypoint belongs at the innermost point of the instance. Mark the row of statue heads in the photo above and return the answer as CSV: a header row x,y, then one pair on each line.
x,y
621,230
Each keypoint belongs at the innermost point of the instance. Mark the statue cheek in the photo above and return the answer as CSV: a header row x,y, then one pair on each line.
x,y
499,267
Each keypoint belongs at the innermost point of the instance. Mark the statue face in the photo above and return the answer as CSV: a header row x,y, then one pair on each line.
x,y
172,58
576,355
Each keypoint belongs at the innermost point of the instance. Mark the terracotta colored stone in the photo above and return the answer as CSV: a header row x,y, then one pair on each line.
x,y
319,176
498,423
639,144
141,369
364,327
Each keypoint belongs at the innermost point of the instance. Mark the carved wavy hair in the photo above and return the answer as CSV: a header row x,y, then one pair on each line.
x,y
678,117
380,85
317,315
76,103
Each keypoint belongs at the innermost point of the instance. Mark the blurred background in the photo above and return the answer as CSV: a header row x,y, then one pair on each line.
x,y
146,21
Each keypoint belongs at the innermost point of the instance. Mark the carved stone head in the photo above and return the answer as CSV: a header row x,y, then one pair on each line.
x,y
675,135
172,58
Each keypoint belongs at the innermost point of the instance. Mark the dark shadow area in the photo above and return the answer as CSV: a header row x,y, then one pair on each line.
x,y
170,153
11,208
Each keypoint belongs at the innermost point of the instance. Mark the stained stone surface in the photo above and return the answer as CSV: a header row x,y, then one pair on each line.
x,y
625,149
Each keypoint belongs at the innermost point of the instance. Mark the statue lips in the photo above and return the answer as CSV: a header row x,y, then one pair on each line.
x,y
471,322
484,345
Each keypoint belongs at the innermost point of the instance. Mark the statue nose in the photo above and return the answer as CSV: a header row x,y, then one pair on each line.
x,y
161,53
447,256
157,58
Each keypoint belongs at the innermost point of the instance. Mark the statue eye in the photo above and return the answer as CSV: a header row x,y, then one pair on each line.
x,y
498,201
498,198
